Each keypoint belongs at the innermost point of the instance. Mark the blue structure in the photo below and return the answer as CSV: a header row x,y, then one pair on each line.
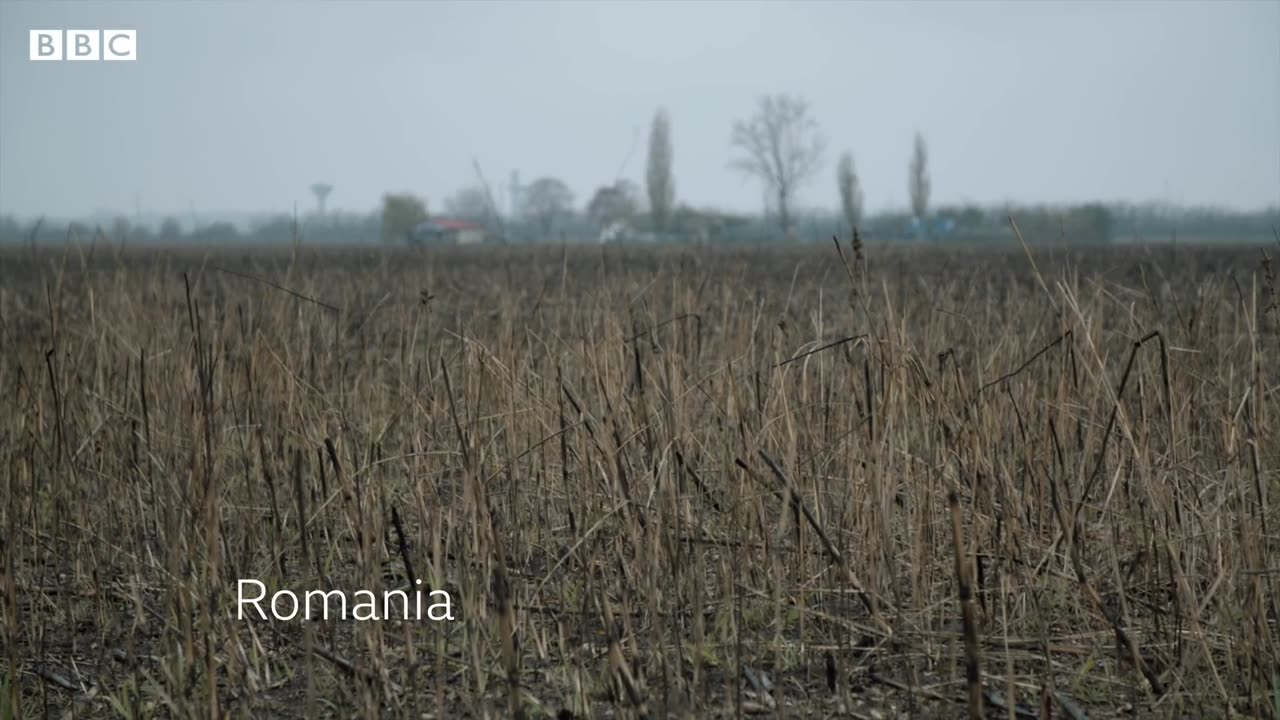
x,y
941,228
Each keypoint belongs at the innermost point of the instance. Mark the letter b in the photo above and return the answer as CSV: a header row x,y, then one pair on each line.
x,y
46,45
83,45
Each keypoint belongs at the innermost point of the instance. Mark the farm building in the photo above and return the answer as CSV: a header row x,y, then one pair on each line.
x,y
448,231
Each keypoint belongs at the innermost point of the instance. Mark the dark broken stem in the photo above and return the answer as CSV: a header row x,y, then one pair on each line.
x,y
281,288
1072,533
300,499
972,654
664,323
453,412
798,503
828,346
332,452
410,576
1124,639
57,403
1028,363
697,480
204,378
506,625
586,420
868,397
1115,410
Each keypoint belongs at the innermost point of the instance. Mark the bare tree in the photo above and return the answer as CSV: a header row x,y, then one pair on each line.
x,y
658,178
782,146
546,200
918,183
850,190
611,203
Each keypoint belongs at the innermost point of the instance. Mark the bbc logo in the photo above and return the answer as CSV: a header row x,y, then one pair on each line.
x,y
84,45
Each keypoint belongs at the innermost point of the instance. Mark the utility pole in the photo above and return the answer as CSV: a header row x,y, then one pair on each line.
x,y
515,193
494,216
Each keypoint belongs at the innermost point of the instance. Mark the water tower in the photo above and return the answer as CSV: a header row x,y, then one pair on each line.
x,y
321,191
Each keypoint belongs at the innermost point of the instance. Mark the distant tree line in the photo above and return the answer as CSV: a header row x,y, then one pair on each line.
x,y
780,144
273,229
1084,224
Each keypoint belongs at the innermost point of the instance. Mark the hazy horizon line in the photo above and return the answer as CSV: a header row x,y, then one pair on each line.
x,y
310,209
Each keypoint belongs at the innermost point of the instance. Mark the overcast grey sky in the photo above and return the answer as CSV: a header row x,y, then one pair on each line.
x,y
240,106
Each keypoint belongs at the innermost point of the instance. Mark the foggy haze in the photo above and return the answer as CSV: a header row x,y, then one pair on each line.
x,y
236,106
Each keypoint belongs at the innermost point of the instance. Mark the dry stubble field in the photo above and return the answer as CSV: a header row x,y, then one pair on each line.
x,y
678,482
